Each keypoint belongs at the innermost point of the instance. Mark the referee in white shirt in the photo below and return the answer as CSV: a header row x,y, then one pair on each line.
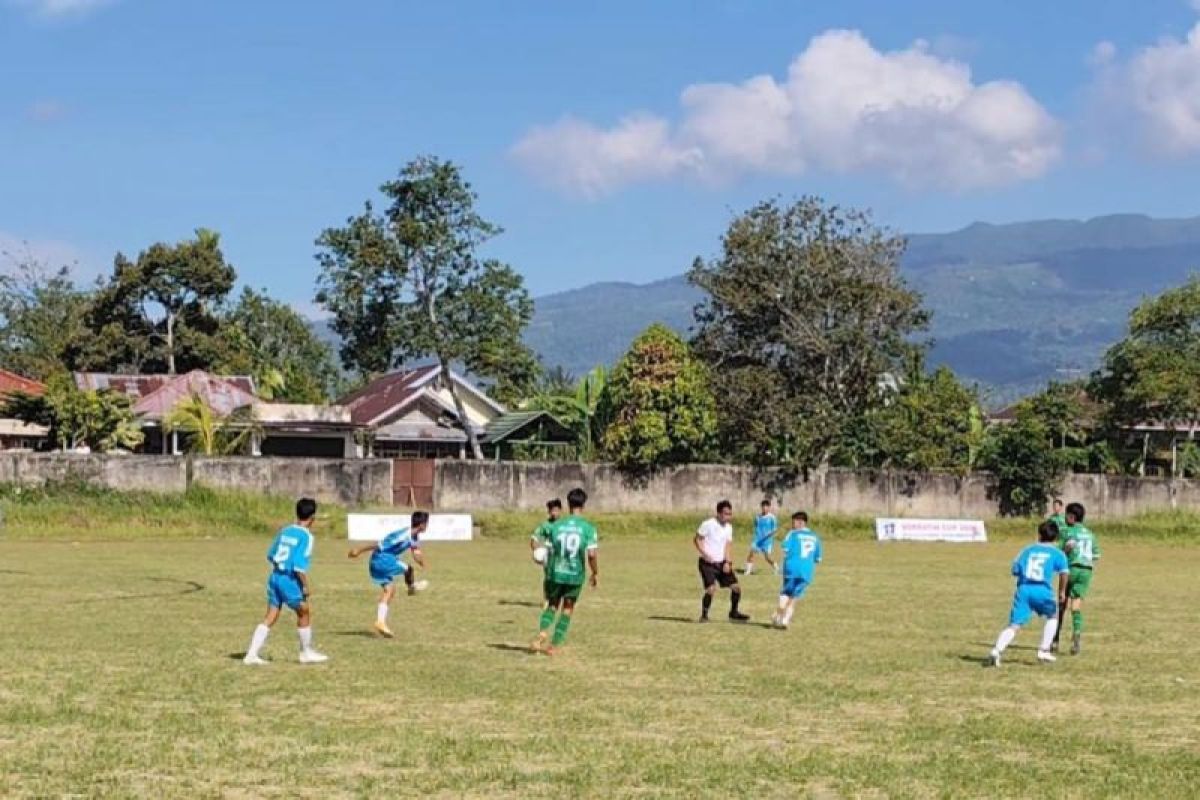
x,y
714,542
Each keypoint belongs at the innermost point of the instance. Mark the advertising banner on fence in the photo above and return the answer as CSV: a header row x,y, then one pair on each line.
x,y
930,530
442,527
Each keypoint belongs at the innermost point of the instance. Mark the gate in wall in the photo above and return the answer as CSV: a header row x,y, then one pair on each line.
x,y
412,483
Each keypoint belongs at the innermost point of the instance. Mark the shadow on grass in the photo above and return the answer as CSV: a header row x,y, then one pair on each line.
x,y
359,632
989,645
685,620
13,572
237,656
187,587
522,603
512,648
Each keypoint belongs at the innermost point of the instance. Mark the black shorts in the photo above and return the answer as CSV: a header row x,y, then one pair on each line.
x,y
712,573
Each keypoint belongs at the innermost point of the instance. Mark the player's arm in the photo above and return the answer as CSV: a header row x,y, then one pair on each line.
x,y
418,557
697,542
355,552
593,565
1063,578
729,556
304,585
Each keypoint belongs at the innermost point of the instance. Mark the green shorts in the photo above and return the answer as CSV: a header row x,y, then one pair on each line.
x,y
1078,583
555,591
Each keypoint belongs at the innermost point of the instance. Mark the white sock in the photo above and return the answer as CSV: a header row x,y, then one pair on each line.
x,y
1048,633
381,614
258,640
1005,639
787,615
305,637
749,567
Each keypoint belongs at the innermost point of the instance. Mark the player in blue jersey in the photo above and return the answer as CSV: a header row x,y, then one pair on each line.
x,y
387,563
1034,570
290,554
801,554
765,526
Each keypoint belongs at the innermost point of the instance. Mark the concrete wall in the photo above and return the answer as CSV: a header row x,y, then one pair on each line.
x,y
481,486
353,482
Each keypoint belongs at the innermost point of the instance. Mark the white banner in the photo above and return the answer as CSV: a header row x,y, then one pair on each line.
x,y
442,527
930,530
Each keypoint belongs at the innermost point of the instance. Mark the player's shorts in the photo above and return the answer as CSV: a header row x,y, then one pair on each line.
x,y
1030,600
793,587
556,591
1079,582
284,590
711,573
385,571
764,545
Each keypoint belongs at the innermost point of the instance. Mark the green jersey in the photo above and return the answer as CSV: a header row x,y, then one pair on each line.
x,y
571,539
1084,550
541,538
1060,520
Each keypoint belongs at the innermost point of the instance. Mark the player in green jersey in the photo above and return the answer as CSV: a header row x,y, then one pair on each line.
x,y
541,538
573,544
1083,551
1057,516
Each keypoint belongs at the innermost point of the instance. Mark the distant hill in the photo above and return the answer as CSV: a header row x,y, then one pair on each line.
x,y
1013,305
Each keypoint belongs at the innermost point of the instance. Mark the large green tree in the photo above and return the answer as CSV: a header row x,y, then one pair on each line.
x,y
805,317
1153,374
658,405
1024,463
159,313
101,420
41,314
407,283
269,340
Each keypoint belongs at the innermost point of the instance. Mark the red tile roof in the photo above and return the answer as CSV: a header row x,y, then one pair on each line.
x,y
12,382
387,394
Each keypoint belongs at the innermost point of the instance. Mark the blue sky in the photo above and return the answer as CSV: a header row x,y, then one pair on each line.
x,y
612,140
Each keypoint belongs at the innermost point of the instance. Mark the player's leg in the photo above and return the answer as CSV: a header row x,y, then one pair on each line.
x,y
780,609
386,594
563,624
708,577
1062,611
410,578
259,637
735,596
546,622
797,591
767,556
308,655
1020,614
1080,583
1046,605
749,562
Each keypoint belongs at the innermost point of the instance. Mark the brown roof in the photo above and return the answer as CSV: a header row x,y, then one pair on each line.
x,y
12,382
223,395
388,394
139,386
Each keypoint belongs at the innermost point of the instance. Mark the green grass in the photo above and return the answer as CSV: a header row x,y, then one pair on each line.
x,y
120,676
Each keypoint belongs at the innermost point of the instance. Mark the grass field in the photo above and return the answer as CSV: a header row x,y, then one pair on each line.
x,y
120,675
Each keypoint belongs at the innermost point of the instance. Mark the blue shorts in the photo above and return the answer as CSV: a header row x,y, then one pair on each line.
x,y
764,545
284,590
793,587
1029,600
385,572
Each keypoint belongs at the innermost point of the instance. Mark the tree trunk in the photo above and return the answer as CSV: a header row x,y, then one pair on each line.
x,y
170,342
461,410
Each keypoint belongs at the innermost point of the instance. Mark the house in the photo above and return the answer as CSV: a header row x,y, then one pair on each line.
x,y
520,435
282,429
410,414
15,434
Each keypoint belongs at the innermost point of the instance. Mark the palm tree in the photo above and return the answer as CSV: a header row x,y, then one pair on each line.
x,y
577,407
210,433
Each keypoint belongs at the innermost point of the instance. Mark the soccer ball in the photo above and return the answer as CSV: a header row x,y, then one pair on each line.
x,y
421,585
539,555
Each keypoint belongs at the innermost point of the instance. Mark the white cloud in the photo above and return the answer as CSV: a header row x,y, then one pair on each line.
x,y
61,8
843,107
1158,89
1104,53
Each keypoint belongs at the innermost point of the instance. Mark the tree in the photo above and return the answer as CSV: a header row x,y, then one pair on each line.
x,y
933,423
270,341
1026,467
805,317
658,404
575,403
159,313
210,433
407,284
41,314
101,420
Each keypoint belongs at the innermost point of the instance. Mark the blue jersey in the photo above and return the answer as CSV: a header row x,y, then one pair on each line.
x,y
1037,565
291,550
391,547
764,527
801,554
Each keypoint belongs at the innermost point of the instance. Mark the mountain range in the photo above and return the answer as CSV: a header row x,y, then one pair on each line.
x,y
1013,306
